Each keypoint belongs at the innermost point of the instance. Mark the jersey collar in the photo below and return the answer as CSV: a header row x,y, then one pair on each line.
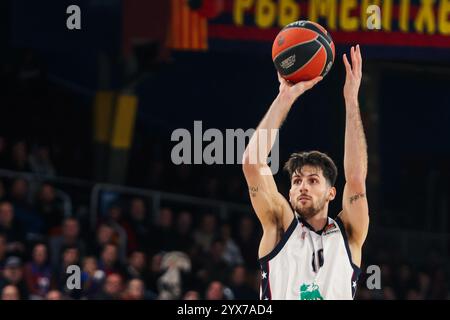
x,y
303,221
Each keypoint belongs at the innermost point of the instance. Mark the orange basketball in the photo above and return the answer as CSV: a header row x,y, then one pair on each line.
x,y
302,51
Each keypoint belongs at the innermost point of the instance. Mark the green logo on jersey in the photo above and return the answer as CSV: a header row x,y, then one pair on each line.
x,y
310,292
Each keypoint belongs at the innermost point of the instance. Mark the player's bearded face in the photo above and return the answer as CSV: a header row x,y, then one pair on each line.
x,y
309,192
310,208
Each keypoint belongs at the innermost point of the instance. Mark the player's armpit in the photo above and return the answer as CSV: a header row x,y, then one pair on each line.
x,y
355,213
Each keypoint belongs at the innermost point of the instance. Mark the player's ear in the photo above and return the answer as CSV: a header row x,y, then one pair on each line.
x,y
332,193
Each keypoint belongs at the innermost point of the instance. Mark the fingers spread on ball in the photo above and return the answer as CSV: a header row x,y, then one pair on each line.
x,y
315,81
283,81
280,78
306,85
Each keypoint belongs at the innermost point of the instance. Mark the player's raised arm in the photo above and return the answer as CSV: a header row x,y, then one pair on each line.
x,y
269,205
355,214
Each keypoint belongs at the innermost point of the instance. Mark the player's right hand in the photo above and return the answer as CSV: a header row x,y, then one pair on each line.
x,y
291,91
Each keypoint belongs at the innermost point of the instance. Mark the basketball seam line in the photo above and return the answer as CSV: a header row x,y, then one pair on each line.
x,y
326,59
297,45
315,54
331,40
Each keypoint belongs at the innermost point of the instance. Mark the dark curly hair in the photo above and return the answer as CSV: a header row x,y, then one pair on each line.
x,y
315,159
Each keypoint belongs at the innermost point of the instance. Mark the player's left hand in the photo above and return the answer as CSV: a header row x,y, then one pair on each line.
x,y
354,74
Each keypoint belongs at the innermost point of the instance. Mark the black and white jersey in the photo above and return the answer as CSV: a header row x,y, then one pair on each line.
x,y
310,265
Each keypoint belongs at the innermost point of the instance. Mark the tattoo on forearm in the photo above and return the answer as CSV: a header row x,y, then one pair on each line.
x,y
253,191
356,197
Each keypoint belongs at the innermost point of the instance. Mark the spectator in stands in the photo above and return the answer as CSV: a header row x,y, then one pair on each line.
x,y
413,294
70,257
38,274
162,235
183,232
13,275
23,208
109,261
106,234
112,288
214,266
19,157
50,209
92,277
248,241
122,228
215,291
238,285
3,251
40,163
139,223
11,228
54,295
137,267
70,237
135,290
386,293
19,193
155,272
191,295
10,292
424,284
204,235
231,253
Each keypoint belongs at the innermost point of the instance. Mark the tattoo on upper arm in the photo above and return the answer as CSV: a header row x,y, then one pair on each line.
x,y
356,197
253,191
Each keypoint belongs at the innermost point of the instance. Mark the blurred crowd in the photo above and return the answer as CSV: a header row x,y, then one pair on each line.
x,y
126,256
402,278
133,252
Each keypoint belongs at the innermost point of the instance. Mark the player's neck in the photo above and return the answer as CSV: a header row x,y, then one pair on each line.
x,y
318,221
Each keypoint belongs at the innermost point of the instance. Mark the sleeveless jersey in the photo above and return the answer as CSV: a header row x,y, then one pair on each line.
x,y
310,265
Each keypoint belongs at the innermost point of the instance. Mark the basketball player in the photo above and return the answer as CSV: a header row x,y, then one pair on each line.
x,y
305,254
